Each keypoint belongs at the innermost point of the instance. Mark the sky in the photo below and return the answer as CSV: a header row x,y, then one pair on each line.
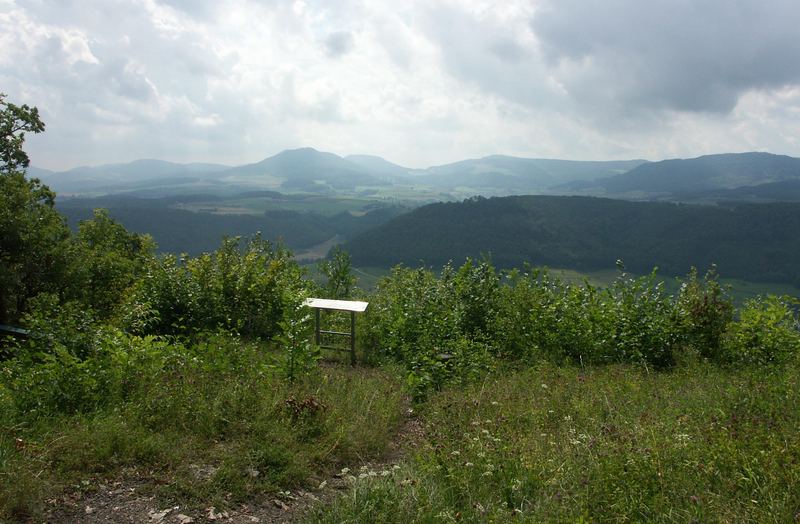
x,y
419,83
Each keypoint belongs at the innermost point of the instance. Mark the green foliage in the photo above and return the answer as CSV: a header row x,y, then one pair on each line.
x,y
15,121
588,234
609,444
32,233
241,290
294,339
450,327
436,326
338,271
705,309
105,261
33,253
766,333
219,406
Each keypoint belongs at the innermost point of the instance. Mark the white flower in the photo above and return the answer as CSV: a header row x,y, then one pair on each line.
x,y
323,484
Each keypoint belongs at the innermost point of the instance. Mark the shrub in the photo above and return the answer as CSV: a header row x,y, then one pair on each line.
x,y
704,311
239,290
766,333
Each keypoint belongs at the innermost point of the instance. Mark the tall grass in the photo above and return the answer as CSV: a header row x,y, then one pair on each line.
x,y
616,443
223,407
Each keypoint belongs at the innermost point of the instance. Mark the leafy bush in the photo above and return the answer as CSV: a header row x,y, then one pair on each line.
x,y
704,311
239,290
449,326
766,333
105,260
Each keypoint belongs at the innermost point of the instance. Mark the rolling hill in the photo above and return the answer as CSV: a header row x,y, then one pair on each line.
x,y
513,174
685,179
181,231
115,177
758,242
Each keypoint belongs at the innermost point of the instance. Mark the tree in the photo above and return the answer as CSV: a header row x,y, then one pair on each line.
x,y
338,269
105,260
33,258
15,121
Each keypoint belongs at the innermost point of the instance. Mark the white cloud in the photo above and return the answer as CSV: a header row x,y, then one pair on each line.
x,y
236,80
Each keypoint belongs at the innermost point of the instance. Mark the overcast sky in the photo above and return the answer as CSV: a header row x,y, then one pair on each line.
x,y
418,83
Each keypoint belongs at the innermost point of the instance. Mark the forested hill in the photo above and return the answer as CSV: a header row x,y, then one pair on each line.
x,y
757,242
685,179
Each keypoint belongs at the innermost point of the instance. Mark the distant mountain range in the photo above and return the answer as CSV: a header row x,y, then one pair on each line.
x,y
756,242
742,176
705,176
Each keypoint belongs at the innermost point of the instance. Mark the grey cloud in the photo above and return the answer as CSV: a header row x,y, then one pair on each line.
x,y
487,54
339,43
679,55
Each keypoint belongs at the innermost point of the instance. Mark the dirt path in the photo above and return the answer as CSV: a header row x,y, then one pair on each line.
x,y
131,499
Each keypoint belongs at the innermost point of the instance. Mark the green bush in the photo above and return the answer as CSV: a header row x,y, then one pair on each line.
x,y
766,333
238,290
704,311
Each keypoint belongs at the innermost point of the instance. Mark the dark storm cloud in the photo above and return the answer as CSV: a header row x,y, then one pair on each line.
x,y
670,54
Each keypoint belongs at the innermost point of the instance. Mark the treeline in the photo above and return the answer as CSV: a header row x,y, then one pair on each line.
x,y
755,242
180,231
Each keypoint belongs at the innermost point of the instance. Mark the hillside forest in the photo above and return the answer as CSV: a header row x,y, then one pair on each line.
x,y
151,386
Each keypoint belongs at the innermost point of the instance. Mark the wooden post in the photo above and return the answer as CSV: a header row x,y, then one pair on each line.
x,y
353,338
317,336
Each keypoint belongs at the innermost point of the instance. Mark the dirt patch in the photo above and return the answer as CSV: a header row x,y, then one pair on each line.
x,y
131,499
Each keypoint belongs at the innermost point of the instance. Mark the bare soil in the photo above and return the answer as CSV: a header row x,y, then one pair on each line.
x,y
132,498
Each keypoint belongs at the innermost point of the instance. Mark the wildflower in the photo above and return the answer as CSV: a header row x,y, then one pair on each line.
x,y
323,484
345,471
362,476
385,473
486,474
406,482
372,474
456,453
363,468
468,464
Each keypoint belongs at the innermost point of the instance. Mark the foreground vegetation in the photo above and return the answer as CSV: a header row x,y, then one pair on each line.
x,y
564,444
539,398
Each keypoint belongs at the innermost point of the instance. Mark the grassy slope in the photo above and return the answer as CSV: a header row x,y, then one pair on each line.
x,y
255,432
609,444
